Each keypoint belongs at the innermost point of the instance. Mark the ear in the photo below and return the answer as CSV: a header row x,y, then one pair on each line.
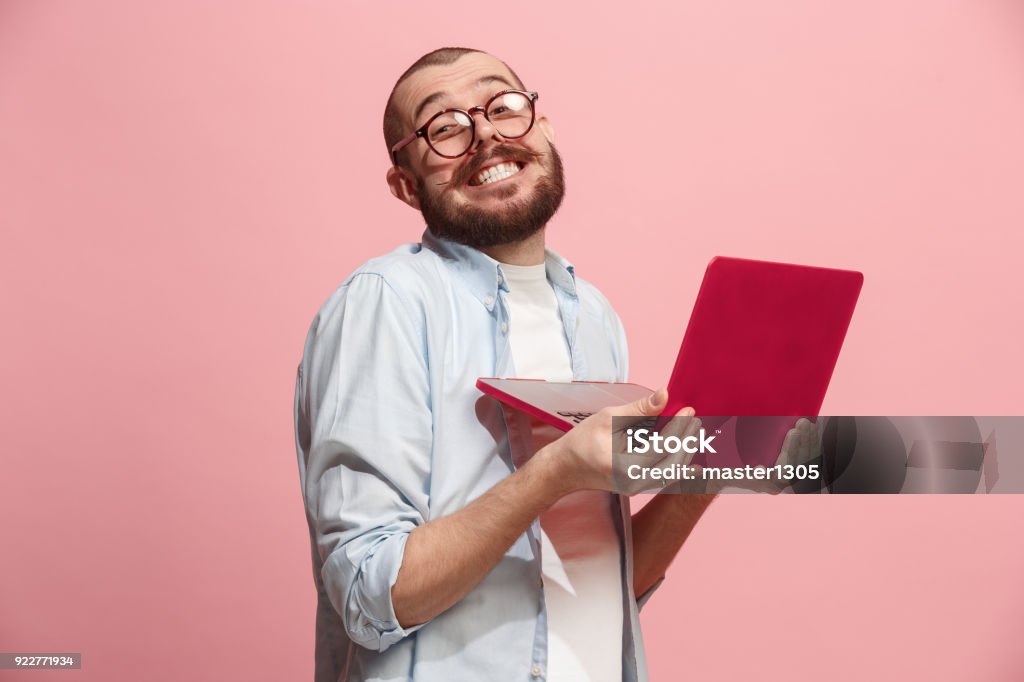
x,y
545,127
403,186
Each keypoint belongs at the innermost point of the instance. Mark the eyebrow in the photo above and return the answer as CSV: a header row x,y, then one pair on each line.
x,y
437,96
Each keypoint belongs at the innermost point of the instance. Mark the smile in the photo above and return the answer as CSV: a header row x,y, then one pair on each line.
x,y
496,173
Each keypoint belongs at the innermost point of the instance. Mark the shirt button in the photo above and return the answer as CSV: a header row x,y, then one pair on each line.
x,y
535,671
488,300
504,327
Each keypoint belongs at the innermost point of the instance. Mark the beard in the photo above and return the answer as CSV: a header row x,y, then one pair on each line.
x,y
518,219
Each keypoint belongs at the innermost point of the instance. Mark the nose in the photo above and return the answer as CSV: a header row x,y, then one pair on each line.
x,y
484,130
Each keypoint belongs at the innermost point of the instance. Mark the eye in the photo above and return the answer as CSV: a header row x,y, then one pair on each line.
x,y
449,125
509,105
515,101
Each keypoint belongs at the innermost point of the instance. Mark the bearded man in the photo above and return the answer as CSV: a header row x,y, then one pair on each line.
x,y
440,551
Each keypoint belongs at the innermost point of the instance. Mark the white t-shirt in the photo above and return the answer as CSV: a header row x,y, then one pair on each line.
x,y
580,548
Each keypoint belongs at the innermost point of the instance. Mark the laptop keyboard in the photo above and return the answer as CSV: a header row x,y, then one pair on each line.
x,y
574,417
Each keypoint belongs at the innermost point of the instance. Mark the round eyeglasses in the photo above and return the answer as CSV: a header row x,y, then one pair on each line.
x,y
450,133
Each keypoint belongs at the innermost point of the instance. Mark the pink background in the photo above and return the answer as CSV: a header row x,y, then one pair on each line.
x,y
183,183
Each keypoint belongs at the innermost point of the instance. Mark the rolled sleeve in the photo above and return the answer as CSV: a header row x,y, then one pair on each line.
x,y
369,614
367,468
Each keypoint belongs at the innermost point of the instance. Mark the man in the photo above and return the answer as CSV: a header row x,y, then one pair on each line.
x,y
452,541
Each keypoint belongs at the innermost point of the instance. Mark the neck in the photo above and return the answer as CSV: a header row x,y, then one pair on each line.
x,y
529,251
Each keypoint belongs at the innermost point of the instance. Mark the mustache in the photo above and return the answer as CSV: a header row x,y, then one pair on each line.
x,y
467,172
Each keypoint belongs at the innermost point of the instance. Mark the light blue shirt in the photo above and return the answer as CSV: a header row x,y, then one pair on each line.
x,y
391,432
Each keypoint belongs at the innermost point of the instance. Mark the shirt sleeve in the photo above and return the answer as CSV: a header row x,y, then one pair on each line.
x,y
363,396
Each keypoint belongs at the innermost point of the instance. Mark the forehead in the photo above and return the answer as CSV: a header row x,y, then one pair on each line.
x,y
460,84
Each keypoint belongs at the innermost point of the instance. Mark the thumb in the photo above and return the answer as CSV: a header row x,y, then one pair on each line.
x,y
651,406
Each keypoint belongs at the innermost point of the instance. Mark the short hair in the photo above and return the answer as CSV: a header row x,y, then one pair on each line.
x,y
393,124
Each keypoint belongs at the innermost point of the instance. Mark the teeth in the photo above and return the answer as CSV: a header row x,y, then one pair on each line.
x,y
495,173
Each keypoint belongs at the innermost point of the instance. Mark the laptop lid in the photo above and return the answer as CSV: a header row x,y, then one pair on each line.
x,y
763,338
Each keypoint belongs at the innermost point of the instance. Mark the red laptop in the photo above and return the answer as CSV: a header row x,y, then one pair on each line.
x,y
763,339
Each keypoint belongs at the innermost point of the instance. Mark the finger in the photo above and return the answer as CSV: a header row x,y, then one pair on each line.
x,y
815,439
650,406
803,446
812,437
819,431
683,427
805,436
694,426
679,425
811,449
787,446
692,430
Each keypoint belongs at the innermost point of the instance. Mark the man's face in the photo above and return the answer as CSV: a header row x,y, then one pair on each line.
x,y
456,200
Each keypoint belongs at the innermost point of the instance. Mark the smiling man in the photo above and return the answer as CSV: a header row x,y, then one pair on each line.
x,y
452,541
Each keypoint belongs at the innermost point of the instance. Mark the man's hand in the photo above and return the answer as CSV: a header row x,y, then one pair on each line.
x,y
802,445
590,455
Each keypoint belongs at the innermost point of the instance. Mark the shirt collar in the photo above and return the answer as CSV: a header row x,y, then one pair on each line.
x,y
483,275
